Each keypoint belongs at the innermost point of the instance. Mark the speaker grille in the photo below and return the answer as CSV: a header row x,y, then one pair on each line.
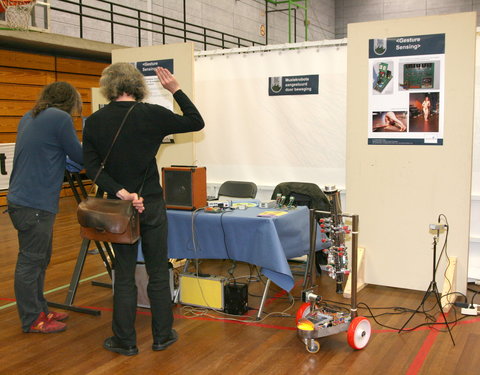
x,y
178,188
185,188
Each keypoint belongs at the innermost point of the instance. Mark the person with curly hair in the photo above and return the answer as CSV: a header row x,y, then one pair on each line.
x,y
131,164
45,137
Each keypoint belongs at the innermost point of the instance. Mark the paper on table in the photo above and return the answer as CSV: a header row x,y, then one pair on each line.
x,y
272,213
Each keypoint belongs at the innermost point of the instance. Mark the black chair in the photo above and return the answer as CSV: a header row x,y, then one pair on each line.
x,y
310,195
237,189
305,194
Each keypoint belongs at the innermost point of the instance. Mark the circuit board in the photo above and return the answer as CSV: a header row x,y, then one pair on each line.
x,y
384,76
418,76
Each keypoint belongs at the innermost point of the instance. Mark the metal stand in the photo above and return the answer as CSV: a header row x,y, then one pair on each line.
x,y
264,298
104,250
310,281
432,289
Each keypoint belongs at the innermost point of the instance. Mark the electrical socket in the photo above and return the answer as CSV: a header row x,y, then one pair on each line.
x,y
469,311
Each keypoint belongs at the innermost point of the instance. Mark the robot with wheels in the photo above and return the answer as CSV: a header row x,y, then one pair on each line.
x,y
314,318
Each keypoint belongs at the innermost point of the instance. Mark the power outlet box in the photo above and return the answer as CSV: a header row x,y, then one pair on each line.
x,y
469,311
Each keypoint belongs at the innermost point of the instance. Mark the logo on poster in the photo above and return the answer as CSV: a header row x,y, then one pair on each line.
x,y
276,84
380,46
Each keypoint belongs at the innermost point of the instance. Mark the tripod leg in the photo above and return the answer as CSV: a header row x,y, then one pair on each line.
x,y
425,296
72,186
105,251
437,296
72,290
80,184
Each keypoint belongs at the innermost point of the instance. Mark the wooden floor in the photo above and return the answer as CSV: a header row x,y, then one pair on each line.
x,y
210,344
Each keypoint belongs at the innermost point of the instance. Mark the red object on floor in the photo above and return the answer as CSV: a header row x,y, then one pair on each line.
x,y
56,315
45,325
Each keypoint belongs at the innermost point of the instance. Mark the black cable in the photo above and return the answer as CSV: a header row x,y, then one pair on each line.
x,y
224,234
230,271
431,320
194,240
444,247
252,278
475,292
473,296
429,324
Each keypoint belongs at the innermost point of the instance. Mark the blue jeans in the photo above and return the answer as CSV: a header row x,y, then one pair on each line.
x,y
35,233
153,230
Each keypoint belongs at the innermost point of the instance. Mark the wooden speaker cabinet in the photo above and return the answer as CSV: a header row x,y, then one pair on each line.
x,y
184,188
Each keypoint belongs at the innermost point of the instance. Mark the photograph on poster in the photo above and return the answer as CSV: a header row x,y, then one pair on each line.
x,y
424,112
389,121
382,75
419,75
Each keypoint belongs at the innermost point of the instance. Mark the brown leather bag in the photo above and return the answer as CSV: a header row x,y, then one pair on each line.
x,y
108,220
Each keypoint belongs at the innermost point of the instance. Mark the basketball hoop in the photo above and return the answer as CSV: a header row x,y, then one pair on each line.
x,y
17,13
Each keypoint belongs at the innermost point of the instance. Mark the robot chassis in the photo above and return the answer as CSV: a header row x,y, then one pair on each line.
x,y
314,318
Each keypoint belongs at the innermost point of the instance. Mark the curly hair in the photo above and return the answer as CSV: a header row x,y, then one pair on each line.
x,y
61,95
123,78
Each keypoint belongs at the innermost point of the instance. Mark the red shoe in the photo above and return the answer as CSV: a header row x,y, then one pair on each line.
x,y
44,325
58,316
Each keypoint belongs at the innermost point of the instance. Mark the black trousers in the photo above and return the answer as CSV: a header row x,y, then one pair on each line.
x,y
154,230
35,233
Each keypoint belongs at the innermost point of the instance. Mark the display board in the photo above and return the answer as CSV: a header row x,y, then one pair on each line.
x,y
398,190
182,152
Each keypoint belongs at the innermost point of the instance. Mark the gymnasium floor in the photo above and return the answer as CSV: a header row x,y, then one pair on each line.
x,y
212,343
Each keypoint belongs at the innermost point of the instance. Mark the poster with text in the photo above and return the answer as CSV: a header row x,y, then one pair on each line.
x,y
7,151
157,94
293,85
406,90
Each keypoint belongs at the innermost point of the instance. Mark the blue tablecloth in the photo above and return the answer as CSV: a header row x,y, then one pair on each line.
x,y
241,235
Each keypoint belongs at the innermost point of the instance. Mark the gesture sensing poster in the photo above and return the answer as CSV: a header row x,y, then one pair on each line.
x,y
406,90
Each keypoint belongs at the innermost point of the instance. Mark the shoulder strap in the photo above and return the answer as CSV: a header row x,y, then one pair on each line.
x,y
102,164
143,182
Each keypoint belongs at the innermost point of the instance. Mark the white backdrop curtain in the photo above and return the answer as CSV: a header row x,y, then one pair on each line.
x,y
252,136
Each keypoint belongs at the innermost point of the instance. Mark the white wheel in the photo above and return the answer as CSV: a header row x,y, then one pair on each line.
x,y
312,346
359,333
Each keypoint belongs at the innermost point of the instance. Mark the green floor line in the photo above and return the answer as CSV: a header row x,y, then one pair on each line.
x,y
56,289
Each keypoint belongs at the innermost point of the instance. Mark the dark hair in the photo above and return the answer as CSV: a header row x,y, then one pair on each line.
x,y
120,78
61,95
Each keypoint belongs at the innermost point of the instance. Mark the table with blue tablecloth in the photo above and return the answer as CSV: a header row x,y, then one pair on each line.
x,y
242,235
